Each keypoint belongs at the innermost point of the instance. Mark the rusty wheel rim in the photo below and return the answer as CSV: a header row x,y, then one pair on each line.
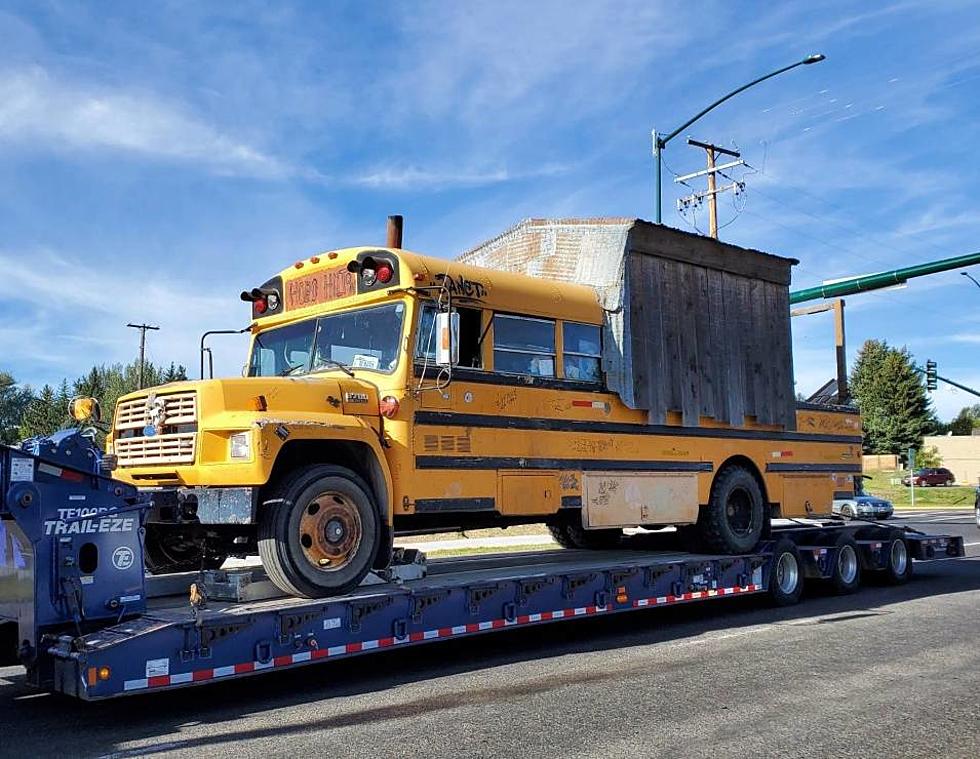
x,y
330,531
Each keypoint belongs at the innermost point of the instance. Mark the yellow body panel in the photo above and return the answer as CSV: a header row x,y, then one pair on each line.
x,y
486,441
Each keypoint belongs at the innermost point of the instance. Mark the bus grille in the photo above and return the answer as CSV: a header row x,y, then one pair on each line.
x,y
159,449
174,444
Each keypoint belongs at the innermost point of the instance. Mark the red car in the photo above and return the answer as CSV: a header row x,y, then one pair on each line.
x,y
931,476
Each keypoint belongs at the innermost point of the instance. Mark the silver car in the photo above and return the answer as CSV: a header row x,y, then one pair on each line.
x,y
863,505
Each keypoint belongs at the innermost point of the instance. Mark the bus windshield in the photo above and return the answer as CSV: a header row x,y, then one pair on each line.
x,y
368,338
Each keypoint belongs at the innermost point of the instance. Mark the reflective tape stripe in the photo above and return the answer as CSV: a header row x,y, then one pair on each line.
x,y
442,632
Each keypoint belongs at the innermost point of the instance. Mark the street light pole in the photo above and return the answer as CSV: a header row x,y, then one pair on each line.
x,y
970,277
660,142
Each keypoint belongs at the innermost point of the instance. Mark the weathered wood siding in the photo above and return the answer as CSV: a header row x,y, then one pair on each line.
x,y
694,326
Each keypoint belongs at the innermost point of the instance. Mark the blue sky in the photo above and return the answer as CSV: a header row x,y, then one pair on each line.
x,y
157,158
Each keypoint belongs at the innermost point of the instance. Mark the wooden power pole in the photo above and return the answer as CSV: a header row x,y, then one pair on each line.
x,y
142,328
713,190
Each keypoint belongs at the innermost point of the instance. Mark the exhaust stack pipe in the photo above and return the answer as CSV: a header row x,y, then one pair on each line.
x,y
394,232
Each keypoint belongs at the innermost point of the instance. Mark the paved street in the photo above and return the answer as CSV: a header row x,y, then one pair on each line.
x,y
888,671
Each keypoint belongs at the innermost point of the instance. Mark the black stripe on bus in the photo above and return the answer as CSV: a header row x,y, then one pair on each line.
x,y
508,462
852,468
434,505
451,419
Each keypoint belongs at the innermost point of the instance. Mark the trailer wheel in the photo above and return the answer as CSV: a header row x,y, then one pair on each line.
x,y
735,516
845,576
319,532
168,549
786,580
898,566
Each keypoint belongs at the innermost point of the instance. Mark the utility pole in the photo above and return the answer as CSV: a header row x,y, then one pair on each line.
x,y
713,190
142,328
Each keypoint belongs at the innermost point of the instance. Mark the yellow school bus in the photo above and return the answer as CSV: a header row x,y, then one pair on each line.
x,y
389,392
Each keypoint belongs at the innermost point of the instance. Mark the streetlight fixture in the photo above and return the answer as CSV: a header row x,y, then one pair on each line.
x,y
660,141
970,277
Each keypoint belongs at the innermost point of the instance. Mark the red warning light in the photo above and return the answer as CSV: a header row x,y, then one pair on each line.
x,y
385,273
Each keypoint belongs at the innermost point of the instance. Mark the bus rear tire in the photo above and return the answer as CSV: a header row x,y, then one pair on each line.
x,y
319,532
734,518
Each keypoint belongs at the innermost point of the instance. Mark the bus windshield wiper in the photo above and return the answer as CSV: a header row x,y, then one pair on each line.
x,y
291,369
343,367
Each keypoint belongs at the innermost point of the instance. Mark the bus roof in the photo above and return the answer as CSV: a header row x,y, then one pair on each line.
x,y
339,279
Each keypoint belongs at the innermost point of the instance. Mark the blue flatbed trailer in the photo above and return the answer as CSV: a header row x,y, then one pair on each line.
x,y
85,621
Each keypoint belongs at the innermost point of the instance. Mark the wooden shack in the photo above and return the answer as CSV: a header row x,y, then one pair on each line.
x,y
693,325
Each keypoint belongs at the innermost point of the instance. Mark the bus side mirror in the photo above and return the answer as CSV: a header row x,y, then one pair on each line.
x,y
447,343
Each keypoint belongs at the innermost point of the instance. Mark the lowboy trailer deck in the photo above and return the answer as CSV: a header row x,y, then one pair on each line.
x,y
85,621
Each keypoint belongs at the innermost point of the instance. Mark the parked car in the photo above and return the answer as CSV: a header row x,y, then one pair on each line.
x,y
864,505
976,507
930,476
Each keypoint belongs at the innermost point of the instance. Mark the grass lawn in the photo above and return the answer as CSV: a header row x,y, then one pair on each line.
x,y
478,551
947,498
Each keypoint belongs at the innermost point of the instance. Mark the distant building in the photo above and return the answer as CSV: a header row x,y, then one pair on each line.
x,y
960,454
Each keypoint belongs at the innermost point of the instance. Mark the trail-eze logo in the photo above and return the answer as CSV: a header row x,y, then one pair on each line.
x,y
87,522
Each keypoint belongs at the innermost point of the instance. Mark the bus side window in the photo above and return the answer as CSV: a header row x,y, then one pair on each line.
x,y
470,353
582,352
524,345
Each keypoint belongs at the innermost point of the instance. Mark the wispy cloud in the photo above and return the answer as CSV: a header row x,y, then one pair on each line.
x,y
63,303
42,111
417,178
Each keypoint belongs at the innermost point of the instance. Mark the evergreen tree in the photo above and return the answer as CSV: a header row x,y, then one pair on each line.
x,y
895,407
175,373
46,413
13,403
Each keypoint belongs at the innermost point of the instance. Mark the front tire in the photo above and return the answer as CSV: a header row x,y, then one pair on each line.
x,y
734,519
319,532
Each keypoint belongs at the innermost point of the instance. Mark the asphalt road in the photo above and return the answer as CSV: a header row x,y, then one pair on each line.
x,y
887,672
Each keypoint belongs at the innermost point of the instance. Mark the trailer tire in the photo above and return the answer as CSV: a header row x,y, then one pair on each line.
x,y
898,567
168,549
845,576
786,575
319,531
734,518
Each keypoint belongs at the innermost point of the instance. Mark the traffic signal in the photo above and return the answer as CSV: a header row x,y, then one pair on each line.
x,y
932,381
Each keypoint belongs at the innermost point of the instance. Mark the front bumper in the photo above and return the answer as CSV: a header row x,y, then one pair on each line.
x,y
218,505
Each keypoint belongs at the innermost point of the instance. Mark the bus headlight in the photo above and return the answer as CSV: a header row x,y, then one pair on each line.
x,y
240,445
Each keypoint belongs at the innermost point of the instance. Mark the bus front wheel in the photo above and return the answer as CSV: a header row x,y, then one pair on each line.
x,y
319,532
